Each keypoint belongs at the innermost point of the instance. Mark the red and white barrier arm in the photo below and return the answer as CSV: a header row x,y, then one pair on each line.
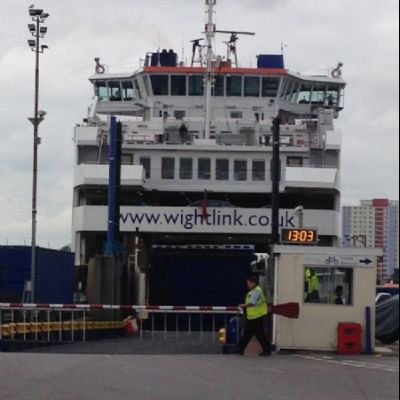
x,y
155,309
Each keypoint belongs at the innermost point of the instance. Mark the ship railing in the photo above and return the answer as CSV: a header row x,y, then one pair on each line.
x,y
46,324
317,165
137,138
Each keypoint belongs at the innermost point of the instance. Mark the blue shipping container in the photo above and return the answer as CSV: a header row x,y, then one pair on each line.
x,y
54,274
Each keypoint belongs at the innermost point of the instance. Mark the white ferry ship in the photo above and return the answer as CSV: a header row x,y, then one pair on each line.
x,y
197,150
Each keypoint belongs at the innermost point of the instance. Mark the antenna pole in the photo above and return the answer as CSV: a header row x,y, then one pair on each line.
x,y
210,33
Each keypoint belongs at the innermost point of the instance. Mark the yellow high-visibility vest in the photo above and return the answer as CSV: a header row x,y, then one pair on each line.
x,y
260,309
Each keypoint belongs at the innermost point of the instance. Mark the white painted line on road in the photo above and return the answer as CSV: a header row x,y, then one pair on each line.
x,y
350,363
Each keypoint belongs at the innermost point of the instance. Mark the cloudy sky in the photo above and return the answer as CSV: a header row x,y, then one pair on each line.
x,y
363,34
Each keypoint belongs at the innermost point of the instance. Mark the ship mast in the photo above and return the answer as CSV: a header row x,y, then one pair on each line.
x,y
210,33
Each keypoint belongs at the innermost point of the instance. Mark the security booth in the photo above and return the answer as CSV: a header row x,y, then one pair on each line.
x,y
335,288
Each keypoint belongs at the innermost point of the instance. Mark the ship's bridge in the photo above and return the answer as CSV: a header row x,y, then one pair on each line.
x,y
252,94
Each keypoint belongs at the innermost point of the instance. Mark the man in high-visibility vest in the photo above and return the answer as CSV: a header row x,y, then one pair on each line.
x,y
255,308
311,286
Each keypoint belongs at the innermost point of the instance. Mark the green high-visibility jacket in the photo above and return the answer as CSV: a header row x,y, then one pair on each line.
x,y
312,281
260,309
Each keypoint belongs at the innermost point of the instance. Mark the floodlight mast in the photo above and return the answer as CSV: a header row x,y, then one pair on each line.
x,y
38,32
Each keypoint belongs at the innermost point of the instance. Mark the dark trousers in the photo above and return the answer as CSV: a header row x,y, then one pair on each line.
x,y
254,327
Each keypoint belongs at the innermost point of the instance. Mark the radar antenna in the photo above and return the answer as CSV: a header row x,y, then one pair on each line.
x,y
231,48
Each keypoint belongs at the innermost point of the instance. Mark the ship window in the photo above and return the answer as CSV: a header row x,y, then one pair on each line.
x,y
258,170
293,97
318,94
218,89
204,169
288,91
126,158
270,86
186,168
178,85
168,168
304,94
326,285
240,170
294,161
115,90
234,85
252,86
222,169
146,162
159,84
137,88
283,89
332,95
196,87
127,90
146,84
236,114
101,90
179,114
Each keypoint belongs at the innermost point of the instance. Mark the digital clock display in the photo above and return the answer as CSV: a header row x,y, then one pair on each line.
x,y
299,235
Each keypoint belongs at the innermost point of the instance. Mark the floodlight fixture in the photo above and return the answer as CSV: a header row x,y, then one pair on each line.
x,y
44,46
31,43
44,15
31,27
35,12
43,30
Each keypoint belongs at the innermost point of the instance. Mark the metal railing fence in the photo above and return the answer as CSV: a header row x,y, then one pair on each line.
x,y
63,323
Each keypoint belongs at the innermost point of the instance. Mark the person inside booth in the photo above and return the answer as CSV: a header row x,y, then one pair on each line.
x,y
311,286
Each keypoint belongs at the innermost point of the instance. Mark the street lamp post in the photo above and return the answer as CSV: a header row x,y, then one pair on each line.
x,y
38,31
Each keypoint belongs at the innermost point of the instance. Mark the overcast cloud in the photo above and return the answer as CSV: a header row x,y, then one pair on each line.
x,y
363,34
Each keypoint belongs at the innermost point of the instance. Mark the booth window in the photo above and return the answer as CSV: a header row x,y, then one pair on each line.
x,y
326,285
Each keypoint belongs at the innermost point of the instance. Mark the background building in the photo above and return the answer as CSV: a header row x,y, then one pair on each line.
x,y
374,223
